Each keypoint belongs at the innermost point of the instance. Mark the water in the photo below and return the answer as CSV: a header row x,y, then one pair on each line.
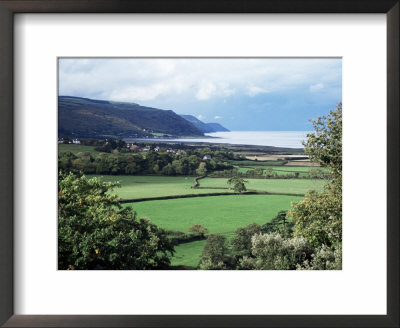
x,y
287,139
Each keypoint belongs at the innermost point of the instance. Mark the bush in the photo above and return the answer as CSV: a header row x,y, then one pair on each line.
x,y
272,252
325,258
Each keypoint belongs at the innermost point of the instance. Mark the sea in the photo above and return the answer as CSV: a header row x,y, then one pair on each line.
x,y
286,139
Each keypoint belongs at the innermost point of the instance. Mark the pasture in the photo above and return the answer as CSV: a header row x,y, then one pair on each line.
x,y
219,214
134,187
295,186
75,149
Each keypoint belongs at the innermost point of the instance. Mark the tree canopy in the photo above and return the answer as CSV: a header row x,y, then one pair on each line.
x,y
318,218
95,232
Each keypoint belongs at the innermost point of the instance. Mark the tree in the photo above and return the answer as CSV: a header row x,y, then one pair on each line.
x,y
279,224
324,146
241,241
214,253
202,170
95,232
318,218
198,230
238,184
269,172
273,252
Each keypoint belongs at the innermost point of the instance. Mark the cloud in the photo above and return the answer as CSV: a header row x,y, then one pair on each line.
x,y
217,117
170,83
206,91
200,117
316,87
253,91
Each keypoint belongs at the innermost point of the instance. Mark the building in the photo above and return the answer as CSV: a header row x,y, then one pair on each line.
x,y
207,157
133,147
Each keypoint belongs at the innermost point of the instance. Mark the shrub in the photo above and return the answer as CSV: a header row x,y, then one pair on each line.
x,y
272,252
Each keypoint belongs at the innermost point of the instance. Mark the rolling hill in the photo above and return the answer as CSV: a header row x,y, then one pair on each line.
x,y
204,127
89,118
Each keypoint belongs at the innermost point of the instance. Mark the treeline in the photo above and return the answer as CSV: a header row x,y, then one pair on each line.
x,y
269,173
152,162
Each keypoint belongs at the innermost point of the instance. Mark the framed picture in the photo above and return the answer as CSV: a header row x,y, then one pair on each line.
x,y
72,69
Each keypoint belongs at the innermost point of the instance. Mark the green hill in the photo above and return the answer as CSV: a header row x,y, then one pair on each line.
x,y
83,118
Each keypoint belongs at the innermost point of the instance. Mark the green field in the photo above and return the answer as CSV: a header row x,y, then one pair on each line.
x,y
296,186
219,214
188,254
76,148
135,187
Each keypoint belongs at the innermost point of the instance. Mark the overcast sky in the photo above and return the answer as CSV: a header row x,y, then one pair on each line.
x,y
241,94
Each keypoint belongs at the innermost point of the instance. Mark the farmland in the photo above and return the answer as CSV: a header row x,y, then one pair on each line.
x,y
221,214
75,149
136,187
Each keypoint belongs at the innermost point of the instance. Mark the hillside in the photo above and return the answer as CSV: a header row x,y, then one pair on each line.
x,y
217,127
204,127
82,117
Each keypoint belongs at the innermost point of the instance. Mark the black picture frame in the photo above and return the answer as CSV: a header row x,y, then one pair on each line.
x,y
10,7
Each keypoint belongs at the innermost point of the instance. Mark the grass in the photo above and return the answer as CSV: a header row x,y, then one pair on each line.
x,y
76,148
188,254
296,186
134,187
219,214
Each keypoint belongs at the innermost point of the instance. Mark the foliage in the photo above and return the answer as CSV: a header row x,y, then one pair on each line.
x,y
238,184
95,232
318,218
325,144
241,241
273,252
116,159
279,224
325,258
214,253
202,169
198,230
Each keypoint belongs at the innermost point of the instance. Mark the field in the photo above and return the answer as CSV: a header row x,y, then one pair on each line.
x,y
219,214
295,186
76,148
136,187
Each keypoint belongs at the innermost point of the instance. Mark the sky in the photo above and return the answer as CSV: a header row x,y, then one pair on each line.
x,y
246,94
